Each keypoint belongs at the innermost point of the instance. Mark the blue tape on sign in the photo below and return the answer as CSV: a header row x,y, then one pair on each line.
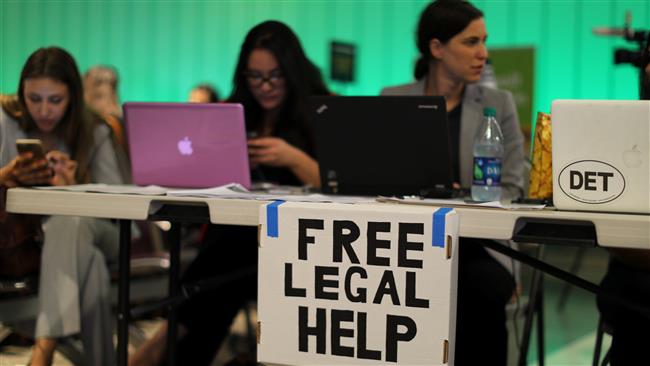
x,y
272,218
438,236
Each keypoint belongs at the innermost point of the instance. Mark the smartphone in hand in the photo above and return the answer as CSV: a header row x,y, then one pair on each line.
x,y
35,146
252,135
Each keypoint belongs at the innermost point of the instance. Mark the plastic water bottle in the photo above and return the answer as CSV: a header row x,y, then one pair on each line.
x,y
488,152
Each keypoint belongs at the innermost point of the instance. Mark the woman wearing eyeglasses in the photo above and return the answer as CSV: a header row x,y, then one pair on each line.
x,y
273,80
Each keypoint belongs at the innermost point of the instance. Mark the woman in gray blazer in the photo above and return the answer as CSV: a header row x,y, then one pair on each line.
x,y
451,39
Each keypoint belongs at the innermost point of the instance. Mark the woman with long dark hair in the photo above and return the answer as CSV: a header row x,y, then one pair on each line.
x,y
451,38
273,80
74,281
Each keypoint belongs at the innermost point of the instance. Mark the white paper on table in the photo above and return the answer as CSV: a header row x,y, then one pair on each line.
x,y
109,188
460,203
236,190
317,197
230,190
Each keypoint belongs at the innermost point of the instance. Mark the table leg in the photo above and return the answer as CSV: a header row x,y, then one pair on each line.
x,y
540,322
174,288
123,294
530,313
569,277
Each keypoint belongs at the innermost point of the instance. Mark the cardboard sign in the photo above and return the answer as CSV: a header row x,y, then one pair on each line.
x,y
356,284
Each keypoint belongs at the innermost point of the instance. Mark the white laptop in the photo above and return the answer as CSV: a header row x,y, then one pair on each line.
x,y
601,155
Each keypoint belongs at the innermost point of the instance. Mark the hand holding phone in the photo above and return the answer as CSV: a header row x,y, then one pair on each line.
x,y
32,169
272,151
63,167
34,146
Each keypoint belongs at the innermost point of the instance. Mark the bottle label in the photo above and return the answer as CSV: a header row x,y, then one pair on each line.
x,y
487,172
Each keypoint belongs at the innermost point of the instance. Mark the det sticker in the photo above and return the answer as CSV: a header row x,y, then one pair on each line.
x,y
591,181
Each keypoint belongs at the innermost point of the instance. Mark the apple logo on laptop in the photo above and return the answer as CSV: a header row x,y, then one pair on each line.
x,y
185,146
632,157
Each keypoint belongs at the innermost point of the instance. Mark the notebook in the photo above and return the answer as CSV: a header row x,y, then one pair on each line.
x,y
601,155
187,144
386,145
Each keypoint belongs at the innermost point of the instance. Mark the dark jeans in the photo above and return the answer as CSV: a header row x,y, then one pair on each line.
x,y
208,316
484,289
631,330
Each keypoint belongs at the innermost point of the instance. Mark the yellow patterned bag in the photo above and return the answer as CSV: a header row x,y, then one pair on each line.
x,y
541,173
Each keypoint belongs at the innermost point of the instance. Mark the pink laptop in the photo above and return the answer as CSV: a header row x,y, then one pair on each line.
x,y
187,144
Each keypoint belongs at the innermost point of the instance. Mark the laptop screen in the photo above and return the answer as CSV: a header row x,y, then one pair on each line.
x,y
386,145
601,155
187,144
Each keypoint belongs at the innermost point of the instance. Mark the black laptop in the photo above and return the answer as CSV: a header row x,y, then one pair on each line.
x,y
387,145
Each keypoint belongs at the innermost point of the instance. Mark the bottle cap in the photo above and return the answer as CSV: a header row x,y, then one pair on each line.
x,y
489,112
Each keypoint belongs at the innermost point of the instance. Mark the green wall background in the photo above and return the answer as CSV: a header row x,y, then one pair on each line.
x,y
162,48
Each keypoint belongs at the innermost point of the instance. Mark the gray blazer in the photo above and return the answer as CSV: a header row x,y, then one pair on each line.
x,y
477,97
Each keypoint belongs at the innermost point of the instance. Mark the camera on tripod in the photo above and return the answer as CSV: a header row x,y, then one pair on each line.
x,y
638,57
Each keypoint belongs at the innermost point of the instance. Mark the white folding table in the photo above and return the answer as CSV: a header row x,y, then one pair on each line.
x,y
534,226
